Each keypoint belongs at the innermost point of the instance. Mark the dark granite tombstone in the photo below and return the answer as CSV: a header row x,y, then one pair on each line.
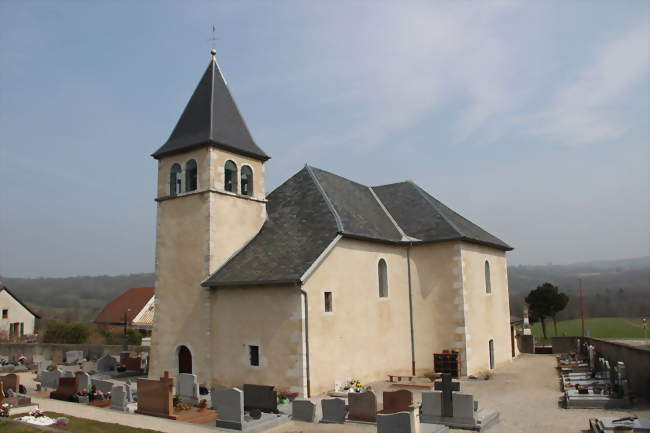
x,y
397,401
66,390
363,406
447,386
399,422
334,411
303,410
262,397
11,381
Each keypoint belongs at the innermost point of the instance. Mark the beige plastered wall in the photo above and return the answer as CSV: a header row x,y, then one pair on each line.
x,y
365,336
487,316
439,324
16,314
196,232
270,317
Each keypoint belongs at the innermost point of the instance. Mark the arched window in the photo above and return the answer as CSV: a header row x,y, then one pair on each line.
x,y
184,360
382,272
246,180
491,349
175,180
191,173
488,283
230,178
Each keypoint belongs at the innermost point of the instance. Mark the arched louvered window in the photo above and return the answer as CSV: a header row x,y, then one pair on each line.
x,y
491,350
191,173
488,282
175,180
246,180
382,273
230,177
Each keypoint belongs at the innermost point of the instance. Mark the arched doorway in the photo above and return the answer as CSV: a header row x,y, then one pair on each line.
x,y
184,360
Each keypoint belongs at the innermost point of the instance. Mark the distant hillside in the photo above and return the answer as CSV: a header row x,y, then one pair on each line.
x,y
73,298
611,288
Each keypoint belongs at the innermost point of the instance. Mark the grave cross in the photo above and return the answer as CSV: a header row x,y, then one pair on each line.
x,y
447,386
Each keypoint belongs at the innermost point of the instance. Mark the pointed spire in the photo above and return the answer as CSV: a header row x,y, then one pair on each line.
x,y
211,118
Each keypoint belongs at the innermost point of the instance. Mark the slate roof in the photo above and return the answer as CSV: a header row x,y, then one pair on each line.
x,y
135,299
308,211
211,118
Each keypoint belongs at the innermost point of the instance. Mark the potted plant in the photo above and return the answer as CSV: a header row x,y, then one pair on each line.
x,y
202,405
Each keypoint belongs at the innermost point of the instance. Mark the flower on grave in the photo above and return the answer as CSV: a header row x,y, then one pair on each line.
x,y
83,392
36,413
62,421
98,395
4,409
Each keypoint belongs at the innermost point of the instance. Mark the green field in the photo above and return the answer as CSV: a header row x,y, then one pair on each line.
x,y
600,327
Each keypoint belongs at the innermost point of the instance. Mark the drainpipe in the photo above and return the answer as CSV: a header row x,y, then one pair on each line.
x,y
306,319
408,264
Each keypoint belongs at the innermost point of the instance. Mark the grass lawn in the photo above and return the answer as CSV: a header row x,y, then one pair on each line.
x,y
600,327
77,425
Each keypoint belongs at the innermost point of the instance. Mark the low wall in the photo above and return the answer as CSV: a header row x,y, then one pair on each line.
x,y
636,358
56,352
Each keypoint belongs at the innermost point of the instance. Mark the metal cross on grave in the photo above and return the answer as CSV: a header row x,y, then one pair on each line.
x,y
447,386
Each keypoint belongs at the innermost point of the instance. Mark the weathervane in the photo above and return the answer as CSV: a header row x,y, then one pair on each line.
x,y
213,41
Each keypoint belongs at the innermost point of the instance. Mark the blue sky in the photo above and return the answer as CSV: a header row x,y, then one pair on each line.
x,y
529,118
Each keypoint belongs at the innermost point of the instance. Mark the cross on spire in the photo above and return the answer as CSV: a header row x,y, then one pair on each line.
x,y
213,41
447,387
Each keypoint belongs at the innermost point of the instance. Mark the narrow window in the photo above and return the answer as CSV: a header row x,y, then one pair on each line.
x,y
254,355
246,180
191,173
175,180
22,329
488,283
382,271
328,302
491,348
230,178
5,314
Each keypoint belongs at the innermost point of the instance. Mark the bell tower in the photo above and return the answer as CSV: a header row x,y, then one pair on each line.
x,y
210,201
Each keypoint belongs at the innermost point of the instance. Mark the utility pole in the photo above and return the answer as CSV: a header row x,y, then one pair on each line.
x,y
582,306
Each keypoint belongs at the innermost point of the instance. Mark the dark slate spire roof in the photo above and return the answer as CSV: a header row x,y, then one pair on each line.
x,y
211,118
308,211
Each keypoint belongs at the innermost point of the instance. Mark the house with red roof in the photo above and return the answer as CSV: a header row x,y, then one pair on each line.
x,y
125,308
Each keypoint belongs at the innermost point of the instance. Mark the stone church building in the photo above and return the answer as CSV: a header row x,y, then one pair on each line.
x,y
318,281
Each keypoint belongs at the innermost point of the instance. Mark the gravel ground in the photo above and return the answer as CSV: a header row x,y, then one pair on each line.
x,y
525,393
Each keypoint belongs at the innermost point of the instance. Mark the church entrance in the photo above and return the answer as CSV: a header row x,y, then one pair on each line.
x,y
184,360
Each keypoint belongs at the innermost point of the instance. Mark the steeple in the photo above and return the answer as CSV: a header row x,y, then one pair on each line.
x,y
211,118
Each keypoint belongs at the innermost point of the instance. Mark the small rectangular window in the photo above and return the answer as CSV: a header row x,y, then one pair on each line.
x,y
328,302
254,354
5,314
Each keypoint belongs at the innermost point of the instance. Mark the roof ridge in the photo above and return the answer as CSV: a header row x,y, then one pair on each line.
x,y
390,217
435,206
337,217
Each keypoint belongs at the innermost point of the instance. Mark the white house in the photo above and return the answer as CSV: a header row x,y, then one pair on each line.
x,y
16,319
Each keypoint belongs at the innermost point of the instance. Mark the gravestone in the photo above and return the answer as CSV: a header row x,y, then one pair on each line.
x,y
67,388
102,385
465,413
229,404
432,404
50,379
334,411
363,406
262,397
303,410
118,398
74,356
106,363
83,381
88,366
397,401
464,408
42,366
155,397
399,422
188,388
11,381
130,391
68,373
447,386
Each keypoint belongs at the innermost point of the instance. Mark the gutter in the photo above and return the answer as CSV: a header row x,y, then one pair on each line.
x,y
306,320
408,264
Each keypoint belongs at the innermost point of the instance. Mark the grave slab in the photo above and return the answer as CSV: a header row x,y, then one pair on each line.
x,y
362,406
188,388
334,411
607,424
303,410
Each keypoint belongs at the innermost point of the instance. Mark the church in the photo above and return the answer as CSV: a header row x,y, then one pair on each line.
x,y
321,280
